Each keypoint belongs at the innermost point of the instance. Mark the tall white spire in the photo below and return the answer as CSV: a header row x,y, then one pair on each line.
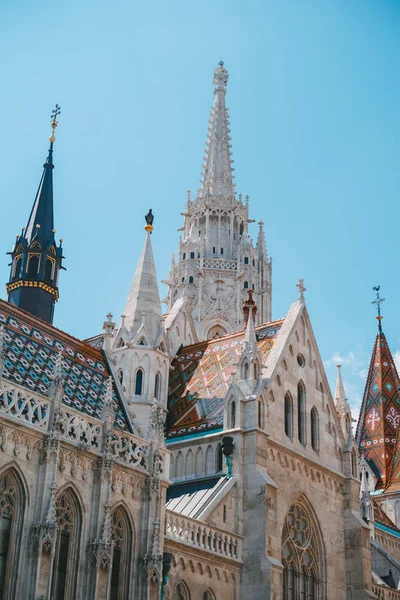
x,y
143,306
217,177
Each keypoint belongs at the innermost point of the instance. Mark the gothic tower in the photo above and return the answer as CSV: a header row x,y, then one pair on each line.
x,y
217,261
36,259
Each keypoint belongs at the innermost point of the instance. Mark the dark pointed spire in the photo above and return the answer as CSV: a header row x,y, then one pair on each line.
x,y
36,260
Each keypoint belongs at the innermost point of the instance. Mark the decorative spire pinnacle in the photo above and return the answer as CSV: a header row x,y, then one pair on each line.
x,y
378,301
301,288
341,402
144,295
217,177
261,245
36,260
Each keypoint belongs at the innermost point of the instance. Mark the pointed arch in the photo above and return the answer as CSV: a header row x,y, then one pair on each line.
x,y
288,415
314,429
157,386
139,380
354,463
189,463
232,414
199,462
179,465
13,502
182,592
301,412
303,553
33,264
122,535
208,595
209,461
68,519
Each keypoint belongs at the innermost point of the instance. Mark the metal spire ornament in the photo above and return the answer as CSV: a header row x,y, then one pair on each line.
x,y
378,301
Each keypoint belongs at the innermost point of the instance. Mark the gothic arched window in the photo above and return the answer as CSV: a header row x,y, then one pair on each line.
x,y
192,255
288,415
121,534
157,386
191,279
182,592
301,412
66,555
48,269
232,415
179,466
302,555
33,264
120,376
246,285
17,266
246,370
314,429
139,382
12,504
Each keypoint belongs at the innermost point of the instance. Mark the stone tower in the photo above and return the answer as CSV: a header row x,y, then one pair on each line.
x,y
217,260
36,259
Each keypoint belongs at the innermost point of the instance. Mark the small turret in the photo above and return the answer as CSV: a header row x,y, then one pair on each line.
x,y
36,259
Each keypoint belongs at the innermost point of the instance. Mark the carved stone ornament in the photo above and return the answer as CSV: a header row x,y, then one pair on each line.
x,y
102,552
44,536
153,567
52,445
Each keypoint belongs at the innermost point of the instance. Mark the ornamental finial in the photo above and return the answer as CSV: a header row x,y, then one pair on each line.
x,y
378,301
301,288
149,221
56,111
220,77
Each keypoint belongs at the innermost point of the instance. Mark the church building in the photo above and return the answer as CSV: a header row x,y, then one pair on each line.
x,y
192,454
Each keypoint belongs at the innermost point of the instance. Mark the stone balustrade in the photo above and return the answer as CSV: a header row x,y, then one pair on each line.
x,y
77,427
204,537
385,593
129,449
18,402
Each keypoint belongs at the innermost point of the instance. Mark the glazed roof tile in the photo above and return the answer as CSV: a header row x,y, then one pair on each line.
x,y
380,411
31,348
200,378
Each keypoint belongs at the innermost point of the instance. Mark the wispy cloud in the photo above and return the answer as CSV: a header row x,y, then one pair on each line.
x,y
338,359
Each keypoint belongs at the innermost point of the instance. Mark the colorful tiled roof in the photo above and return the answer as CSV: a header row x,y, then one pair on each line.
x,y
380,411
200,378
31,348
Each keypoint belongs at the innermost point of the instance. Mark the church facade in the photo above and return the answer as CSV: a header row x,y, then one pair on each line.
x,y
197,454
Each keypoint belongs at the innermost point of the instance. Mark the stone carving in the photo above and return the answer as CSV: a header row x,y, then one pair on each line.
x,y
153,567
21,404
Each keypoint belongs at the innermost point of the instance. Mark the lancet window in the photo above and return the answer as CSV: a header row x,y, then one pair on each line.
x,y
66,555
11,518
288,415
120,572
33,264
157,386
301,412
139,382
314,429
301,556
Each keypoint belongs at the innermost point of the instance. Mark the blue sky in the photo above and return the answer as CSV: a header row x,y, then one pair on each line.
x,y
313,95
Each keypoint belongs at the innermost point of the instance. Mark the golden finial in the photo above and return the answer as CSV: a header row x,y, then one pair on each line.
x,y
149,221
54,122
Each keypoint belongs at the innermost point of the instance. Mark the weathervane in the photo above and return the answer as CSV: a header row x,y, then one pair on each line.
x,y
378,301
55,112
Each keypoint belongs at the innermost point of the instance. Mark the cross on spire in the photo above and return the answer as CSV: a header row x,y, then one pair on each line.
x,y
378,301
54,114
301,288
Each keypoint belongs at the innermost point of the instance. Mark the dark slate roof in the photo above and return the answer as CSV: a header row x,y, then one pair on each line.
x,y
200,378
31,348
190,497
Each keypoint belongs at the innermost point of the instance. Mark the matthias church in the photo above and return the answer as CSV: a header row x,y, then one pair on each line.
x,y
196,453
